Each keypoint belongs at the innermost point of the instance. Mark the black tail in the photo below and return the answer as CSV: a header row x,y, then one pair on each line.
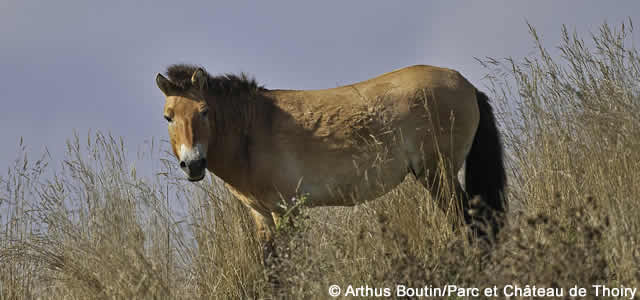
x,y
485,174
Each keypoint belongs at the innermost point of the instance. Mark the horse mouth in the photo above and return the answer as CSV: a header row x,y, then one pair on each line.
x,y
196,179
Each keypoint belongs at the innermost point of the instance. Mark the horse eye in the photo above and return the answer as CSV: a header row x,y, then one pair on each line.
x,y
168,118
204,112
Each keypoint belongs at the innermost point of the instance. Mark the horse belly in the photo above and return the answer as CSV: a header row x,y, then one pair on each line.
x,y
355,187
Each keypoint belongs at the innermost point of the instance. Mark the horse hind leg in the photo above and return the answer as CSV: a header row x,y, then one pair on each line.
x,y
448,194
454,201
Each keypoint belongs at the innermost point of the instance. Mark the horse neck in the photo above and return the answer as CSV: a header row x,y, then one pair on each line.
x,y
227,158
228,147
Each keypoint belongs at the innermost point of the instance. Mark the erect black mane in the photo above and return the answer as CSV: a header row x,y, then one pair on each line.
x,y
180,75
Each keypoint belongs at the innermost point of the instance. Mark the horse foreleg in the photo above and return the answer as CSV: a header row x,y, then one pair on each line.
x,y
265,228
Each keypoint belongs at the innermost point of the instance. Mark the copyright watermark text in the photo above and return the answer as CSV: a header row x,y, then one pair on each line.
x,y
452,290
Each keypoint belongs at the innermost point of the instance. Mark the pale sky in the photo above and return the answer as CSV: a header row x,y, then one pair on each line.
x,y
80,65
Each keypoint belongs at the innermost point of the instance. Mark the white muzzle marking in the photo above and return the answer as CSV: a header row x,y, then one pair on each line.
x,y
192,153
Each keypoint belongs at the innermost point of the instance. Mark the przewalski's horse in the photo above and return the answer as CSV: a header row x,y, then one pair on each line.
x,y
342,146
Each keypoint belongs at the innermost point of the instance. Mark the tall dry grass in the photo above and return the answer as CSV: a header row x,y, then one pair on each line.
x,y
92,228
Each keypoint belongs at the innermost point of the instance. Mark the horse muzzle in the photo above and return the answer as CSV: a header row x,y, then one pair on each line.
x,y
195,169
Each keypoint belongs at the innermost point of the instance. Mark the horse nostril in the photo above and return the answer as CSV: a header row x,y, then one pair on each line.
x,y
183,164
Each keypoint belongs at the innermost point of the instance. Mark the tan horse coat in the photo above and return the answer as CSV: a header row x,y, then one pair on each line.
x,y
344,145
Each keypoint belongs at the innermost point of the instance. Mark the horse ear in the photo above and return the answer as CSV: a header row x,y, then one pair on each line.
x,y
199,79
164,84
